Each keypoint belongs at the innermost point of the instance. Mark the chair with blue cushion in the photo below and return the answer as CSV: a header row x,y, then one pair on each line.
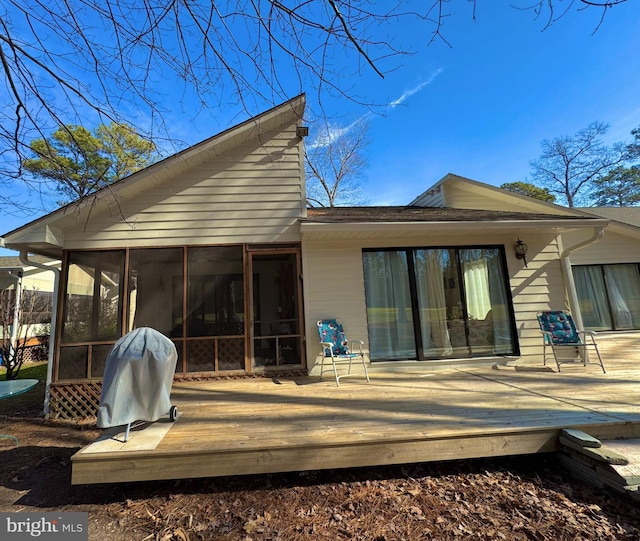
x,y
335,346
560,334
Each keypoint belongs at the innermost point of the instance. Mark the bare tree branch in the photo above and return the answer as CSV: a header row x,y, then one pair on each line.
x,y
335,163
90,62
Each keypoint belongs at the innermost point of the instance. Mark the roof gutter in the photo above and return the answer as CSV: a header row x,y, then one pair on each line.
x,y
310,229
24,258
574,305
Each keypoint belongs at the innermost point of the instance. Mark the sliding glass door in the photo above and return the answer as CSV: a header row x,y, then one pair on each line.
x,y
389,306
438,303
609,296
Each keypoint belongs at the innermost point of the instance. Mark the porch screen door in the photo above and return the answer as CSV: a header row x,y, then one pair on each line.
x,y
275,299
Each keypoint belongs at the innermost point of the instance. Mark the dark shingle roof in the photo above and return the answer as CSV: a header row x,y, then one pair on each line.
x,y
420,214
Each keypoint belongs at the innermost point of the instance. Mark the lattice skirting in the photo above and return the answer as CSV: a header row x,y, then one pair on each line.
x,y
74,400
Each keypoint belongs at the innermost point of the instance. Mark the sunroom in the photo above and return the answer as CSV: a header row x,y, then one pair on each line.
x,y
228,309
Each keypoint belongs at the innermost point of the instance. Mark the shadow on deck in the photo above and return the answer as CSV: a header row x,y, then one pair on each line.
x,y
248,426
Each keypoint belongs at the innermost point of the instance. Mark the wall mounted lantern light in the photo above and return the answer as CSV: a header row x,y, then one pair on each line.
x,y
302,131
520,249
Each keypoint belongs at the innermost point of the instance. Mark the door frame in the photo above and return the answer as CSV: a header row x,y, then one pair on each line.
x,y
266,249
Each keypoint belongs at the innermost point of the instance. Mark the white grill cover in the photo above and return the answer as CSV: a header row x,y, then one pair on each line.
x,y
137,379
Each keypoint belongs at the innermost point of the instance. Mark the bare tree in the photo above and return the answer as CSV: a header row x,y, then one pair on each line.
x,y
89,62
20,314
569,165
334,165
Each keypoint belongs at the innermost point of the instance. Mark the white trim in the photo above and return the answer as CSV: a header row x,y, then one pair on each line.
x,y
310,230
24,257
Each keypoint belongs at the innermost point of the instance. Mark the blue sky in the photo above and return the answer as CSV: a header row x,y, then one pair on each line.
x,y
481,107
502,87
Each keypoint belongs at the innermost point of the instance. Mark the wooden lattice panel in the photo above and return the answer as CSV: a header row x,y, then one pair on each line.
x,y
230,354
75,400
73,362
201,356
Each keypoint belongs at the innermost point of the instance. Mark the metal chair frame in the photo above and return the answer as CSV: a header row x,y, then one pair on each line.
x,y
329,351
566,337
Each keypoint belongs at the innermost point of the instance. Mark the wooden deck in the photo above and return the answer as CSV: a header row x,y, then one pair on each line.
x,y
249,426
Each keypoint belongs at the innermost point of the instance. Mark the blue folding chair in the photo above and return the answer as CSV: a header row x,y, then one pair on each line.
x,y
560,334
335,346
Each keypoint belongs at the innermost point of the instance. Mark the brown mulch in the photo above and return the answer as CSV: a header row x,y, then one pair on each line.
x,y
525,498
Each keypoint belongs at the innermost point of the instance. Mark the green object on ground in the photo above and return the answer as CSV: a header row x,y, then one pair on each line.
x,y
581,438
601,454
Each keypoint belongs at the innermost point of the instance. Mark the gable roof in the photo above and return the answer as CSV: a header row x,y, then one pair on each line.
x,y
623,220
623,215
45,235
515,201
420,214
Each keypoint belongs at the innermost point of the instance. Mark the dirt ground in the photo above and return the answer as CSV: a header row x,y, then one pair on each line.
x,y
527,498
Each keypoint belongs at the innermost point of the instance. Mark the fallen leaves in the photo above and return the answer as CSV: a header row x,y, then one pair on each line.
x,y
516,500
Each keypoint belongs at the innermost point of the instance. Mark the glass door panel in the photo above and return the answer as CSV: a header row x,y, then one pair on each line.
x,y
389,307
434,290
592,296
623,286
487,303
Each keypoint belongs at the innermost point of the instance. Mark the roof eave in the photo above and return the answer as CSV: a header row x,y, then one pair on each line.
x,y
311,229
289,111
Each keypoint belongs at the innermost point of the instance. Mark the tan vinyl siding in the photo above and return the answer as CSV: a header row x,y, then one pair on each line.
x,y
612,248
334,284
466,196
333,288
539,286
251,193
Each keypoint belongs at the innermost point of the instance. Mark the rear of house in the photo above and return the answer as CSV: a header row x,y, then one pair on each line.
x,y
215,248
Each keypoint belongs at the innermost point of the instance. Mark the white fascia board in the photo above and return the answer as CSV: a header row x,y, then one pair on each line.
x,y
308,230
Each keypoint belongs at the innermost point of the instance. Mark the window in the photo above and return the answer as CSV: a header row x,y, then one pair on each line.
x,y
436,303
609,296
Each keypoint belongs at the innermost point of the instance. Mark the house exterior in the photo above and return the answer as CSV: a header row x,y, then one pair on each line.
x,y
215,248
605,269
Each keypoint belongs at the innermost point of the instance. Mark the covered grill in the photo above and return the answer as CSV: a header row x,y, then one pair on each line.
x,y
137,380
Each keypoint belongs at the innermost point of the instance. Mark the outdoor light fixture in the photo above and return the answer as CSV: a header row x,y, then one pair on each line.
x,y
520,249
302,131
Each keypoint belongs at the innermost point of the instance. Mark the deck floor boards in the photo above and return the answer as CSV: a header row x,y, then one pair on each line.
x,y
257,425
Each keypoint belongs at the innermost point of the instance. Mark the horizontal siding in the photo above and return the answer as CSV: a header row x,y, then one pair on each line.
x,y
333,288
334,284
612,248
465,196
251,193
539,286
